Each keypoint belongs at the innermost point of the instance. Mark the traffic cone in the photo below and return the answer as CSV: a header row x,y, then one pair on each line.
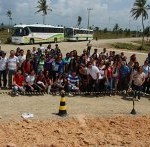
x,y
133,112
62,108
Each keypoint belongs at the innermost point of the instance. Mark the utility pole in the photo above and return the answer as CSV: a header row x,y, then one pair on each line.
x,y
137,31
129,24
109,23
89,9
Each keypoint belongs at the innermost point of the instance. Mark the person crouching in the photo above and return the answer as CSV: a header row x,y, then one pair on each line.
x,y
18,83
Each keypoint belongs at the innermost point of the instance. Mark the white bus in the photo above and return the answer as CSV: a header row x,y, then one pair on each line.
x,y
37,33
77,34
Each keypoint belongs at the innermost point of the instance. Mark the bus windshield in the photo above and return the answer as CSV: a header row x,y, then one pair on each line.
x,y
17,32
68,32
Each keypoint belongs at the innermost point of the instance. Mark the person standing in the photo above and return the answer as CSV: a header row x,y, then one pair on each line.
x,y
11,66
124,76
93,75
89,46
109,77
146,70
21,58
138,79
3,73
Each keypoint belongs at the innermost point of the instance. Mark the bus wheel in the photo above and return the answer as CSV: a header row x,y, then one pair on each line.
x,y
31,41
55,40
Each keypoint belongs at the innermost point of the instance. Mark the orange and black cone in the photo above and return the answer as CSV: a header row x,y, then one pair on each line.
x,y
133,112
62,108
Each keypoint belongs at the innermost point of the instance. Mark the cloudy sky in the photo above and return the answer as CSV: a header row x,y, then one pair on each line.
x,y
104,13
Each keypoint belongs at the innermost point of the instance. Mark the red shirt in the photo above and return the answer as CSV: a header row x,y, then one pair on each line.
x,y
109,72
18,79
26,66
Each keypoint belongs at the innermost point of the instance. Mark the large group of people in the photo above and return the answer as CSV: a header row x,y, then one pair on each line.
x,y
45,69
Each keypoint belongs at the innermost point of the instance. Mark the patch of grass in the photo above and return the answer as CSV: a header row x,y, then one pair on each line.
x,y
5,36
130,46
110,35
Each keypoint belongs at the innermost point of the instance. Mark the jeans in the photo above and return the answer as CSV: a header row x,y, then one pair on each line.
x,y
138,90
93,86
114,83
109,85
4,75
146,85
10,76
123,83
15,89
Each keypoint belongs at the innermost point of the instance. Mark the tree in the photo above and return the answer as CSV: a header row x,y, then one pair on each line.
x,y
43,7
147,32
116,28
105,30
79,21
9,15
140,8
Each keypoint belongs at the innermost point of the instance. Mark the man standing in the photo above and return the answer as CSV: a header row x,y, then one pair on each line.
x,y
93,74
12,66
3,73
89,46
21,58
124,76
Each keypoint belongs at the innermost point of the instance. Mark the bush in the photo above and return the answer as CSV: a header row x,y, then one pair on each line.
x,y
141,48
8,41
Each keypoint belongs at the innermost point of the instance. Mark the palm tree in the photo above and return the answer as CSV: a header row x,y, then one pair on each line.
x,y
79,21
9,15
140,8
116,28
43,7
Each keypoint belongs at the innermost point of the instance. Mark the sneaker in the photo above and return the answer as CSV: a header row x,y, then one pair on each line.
x,y
124,92
17,94
57,94
70,94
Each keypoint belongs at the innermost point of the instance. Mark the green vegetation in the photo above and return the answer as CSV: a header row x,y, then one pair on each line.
x,y
131,46
140,9
105,34
4,35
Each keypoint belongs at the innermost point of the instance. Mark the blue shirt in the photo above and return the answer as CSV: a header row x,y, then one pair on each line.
x,y
124,71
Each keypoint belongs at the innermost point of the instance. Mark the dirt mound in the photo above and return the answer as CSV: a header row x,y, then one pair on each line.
x,y
78,131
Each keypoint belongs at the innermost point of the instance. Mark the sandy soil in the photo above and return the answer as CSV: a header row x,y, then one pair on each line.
x,y
103,121
78,131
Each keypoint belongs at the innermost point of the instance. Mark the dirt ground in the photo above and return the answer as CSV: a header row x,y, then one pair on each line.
x,y
91,121
78,131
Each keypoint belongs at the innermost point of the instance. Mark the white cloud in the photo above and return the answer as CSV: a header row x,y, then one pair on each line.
x,y
65,12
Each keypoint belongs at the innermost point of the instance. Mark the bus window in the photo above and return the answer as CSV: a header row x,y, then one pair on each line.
x,y
25,31
18,32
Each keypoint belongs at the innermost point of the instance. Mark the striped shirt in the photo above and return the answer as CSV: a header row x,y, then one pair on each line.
x,y
73,80
12,63
3,62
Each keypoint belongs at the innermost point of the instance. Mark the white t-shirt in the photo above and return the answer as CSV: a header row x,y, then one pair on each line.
x,y
30,79
21,59
138,78
42,48
93,72
3,62
12,63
